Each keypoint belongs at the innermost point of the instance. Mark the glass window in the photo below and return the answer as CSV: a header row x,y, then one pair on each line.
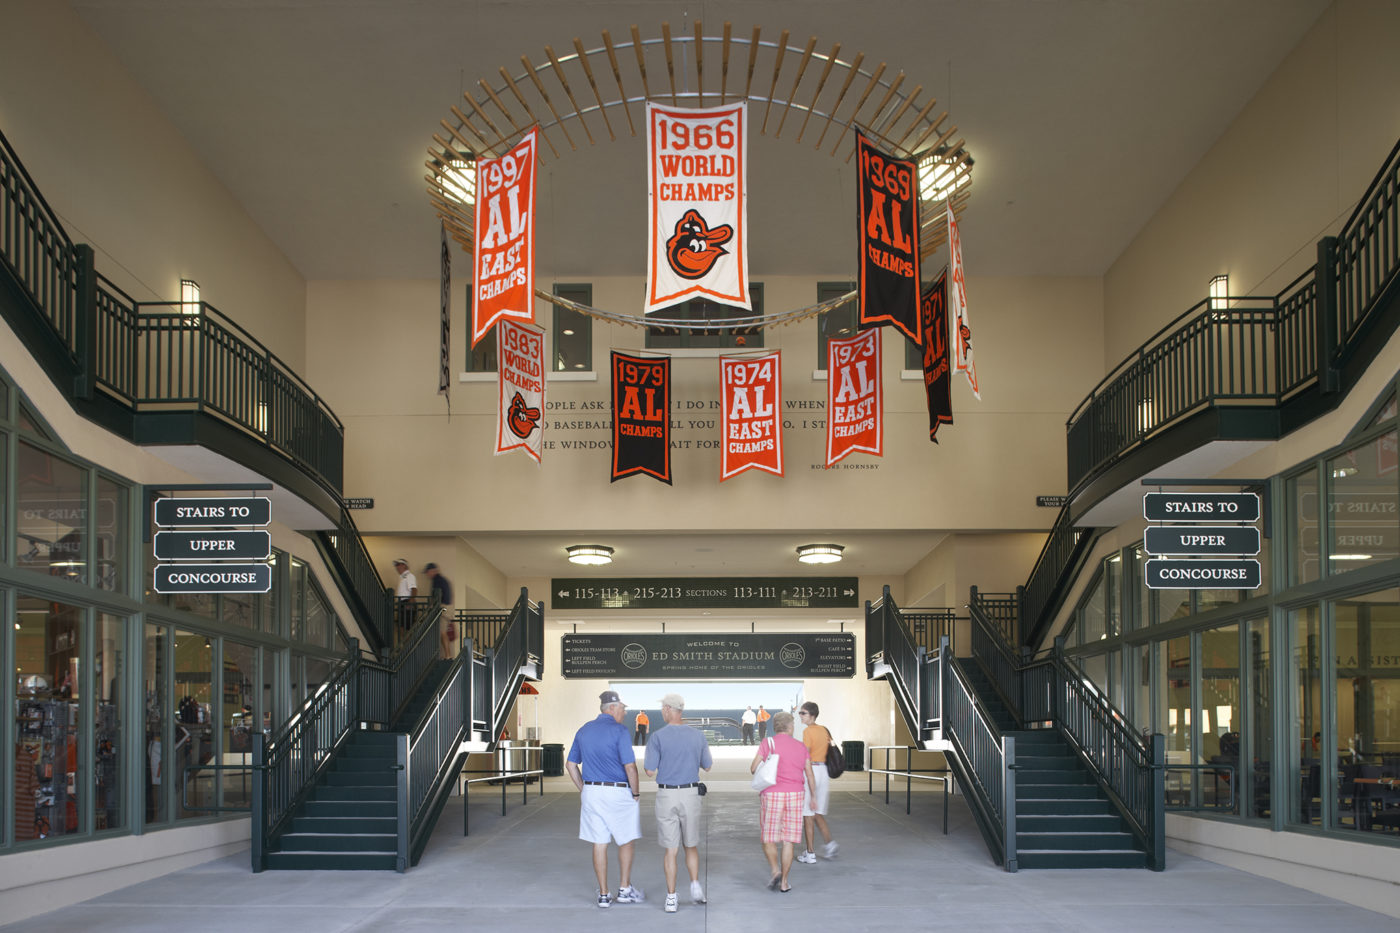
x,y
318,616
1384,413
156,691
702,309
1142,689
1302,500
1175,698
573,330
482,357
1170,604
193,746
51,760
239,718
1307,736
1367,707
1364,506
110,535
297,596
1260,726
839,323
1096,669
108,672
318,671
1092,625
28,421
51,514
1221,715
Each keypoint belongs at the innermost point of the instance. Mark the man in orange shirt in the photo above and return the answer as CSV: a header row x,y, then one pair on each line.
x,y
643,723
763,717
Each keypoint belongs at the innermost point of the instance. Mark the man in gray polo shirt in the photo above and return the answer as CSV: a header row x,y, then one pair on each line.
x,y
675,755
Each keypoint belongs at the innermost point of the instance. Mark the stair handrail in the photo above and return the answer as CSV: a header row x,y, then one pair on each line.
x,y
989,781
1051,565
432,746
520,644
992,651
904,659
363,587
45,263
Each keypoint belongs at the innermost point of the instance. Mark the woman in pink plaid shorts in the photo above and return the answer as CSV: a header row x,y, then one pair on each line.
x,y
780,806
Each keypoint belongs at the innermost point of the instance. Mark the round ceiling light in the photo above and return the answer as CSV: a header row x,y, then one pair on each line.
x,y
819,553
589,554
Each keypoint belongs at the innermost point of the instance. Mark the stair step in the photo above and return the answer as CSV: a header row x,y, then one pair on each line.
x,y
348,823
368,752
343,861
328,792
1026,775
1058,806
338,842
334,809
366,738
1055,791
1078,858
359,764
1077,842
1068,822
377,778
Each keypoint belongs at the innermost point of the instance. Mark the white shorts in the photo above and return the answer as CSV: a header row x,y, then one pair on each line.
x,y
608,814
819,793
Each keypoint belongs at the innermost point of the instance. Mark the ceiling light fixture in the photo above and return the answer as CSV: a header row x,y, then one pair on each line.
x,y
593,554
819,553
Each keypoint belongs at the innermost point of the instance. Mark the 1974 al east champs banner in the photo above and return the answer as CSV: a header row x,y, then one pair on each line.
x,y
641,415
504,280
854,397
519,425
697,211
887,198
751,398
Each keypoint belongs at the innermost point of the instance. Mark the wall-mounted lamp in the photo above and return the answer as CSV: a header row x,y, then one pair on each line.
x,y
593,554
819,553
189,296
1219,292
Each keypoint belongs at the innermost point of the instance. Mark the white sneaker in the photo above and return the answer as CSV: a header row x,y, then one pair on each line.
x,y
670,903
808,858
697,893
829,849
630,895
603,899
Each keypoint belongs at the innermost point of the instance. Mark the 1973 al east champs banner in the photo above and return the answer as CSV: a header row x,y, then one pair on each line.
x,y
854,397
887,198
697,217
522,380
933,318
641,414
504,280
751,399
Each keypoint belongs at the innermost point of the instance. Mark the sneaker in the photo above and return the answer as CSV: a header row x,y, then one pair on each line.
x,y
671,903
697,893
603,899
808,858
630,895
829,850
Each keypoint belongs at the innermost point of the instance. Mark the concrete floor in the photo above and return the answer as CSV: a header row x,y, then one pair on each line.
x,y
528,870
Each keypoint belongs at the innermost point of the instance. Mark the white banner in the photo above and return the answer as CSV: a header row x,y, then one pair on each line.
x,y
962,329
520,422
697,217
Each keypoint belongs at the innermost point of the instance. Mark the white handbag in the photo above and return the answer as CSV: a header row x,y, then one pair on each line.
x,y
767,773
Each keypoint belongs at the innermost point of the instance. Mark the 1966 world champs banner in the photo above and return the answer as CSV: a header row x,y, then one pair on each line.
x,y
697,219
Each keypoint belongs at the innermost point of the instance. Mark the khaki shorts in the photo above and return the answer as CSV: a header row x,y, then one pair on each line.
x,y
678,817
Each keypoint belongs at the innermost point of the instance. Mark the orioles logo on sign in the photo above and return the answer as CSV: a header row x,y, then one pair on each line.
x,y
694,248
522,420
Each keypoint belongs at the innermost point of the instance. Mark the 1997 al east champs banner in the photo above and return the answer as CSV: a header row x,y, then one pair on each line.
x,y
521,366
641,414
854,397
504,280
887,198
751,399
697,217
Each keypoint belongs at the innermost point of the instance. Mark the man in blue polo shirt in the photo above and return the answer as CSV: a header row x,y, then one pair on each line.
x,y
609,794
675,756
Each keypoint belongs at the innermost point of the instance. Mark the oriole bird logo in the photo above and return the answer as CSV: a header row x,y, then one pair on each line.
x,y
694,248
522,420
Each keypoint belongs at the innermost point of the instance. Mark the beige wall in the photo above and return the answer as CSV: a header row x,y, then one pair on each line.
x,y
122,179
1286,172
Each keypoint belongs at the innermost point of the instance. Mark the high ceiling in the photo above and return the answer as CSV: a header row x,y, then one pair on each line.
x,y
1082,115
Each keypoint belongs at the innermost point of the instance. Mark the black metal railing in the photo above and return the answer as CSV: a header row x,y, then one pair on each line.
x,y
371,601
989,759
1368,249
928,627
485,629
1052,571
902,661
993,628
35,247
432,751
519,647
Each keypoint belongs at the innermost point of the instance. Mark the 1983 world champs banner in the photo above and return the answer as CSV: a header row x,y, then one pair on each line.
x,y
522,381
854,397
697,218
504,281
641,414
751,396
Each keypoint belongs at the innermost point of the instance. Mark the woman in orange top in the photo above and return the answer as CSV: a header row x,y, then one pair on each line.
x,y
816,738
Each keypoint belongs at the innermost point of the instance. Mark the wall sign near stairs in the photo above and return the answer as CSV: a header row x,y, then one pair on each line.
x,y
1226,545
706,657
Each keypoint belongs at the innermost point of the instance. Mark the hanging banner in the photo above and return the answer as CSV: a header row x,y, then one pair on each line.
x,y
697,218
505,238
938,377
855,400
445,321
751,398
962,329
887,198
521,380
641,406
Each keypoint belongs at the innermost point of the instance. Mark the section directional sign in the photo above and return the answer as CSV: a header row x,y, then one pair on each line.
x,y
206,545
704,593
1200,507
1201,540
1243,574
204,513
213,578
709,657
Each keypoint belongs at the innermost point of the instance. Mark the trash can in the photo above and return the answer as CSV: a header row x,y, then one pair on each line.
x,y
855,755
553,760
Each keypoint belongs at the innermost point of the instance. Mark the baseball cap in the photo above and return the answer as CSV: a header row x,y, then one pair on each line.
x,y
609,696
400,560
429,566
673,700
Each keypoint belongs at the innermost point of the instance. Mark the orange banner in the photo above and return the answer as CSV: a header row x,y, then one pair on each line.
x,y
854,397
751,392
504,280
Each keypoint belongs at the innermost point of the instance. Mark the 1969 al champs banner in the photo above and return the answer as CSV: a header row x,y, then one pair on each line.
x,y
504,281
887,199
519,425
854,397
697,217
641,413
751,395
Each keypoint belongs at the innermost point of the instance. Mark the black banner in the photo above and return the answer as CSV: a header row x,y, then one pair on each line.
x,y
887,198
641,405
704,593
709,657
933,324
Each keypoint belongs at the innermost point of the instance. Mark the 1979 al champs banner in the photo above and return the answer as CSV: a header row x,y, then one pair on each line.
x,y
751,396
641,414
522,380
854,397
504,281
697,217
